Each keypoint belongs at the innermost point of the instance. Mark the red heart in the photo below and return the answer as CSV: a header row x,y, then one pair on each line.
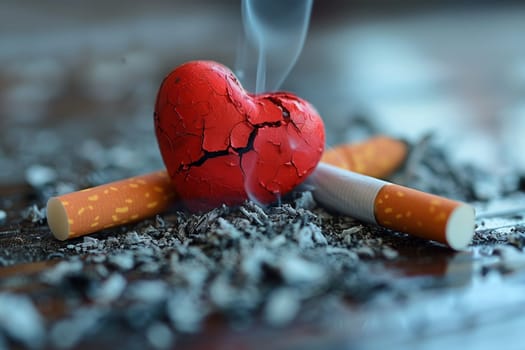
x,y
221,144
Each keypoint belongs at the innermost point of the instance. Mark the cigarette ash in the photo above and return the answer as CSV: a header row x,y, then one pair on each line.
x,y
169,275
430,169
173,275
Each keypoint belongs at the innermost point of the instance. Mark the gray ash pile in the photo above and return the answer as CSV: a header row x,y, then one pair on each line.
x,y
282,265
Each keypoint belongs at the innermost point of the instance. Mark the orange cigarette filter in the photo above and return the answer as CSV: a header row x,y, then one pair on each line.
x,y
408,210
393,206
109,205
379,156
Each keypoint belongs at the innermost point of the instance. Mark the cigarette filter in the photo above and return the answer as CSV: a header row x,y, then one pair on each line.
x,y
393,206
117,203
378,156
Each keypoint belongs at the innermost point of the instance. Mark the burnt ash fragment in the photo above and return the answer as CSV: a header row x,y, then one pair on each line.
x,y
34,214
429,168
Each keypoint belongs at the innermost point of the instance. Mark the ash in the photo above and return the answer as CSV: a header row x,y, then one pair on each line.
x,y
169,275
283,265
155,283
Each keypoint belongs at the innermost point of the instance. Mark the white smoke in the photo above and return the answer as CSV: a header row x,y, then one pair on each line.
x,y
274,35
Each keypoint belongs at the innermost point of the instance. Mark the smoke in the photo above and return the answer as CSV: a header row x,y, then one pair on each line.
x,y
273,38
274,35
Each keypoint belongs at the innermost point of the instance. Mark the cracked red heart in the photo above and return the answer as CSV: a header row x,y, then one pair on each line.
x,y
222,145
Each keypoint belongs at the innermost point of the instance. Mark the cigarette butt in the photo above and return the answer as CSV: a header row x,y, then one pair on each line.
x,y
79,213
378,156
425,215
395,207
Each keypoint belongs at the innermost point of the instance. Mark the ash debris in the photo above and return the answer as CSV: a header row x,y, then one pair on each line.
x,y
34,214
429,168
167,277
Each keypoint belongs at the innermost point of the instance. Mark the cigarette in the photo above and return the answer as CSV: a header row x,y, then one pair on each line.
x,y
393,206
79,213
379,156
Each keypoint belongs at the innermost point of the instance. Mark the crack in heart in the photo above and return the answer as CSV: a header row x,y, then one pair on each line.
x,y
240,151
236,150
285,112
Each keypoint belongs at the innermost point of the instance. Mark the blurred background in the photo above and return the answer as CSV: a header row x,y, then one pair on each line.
x,y
78,79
